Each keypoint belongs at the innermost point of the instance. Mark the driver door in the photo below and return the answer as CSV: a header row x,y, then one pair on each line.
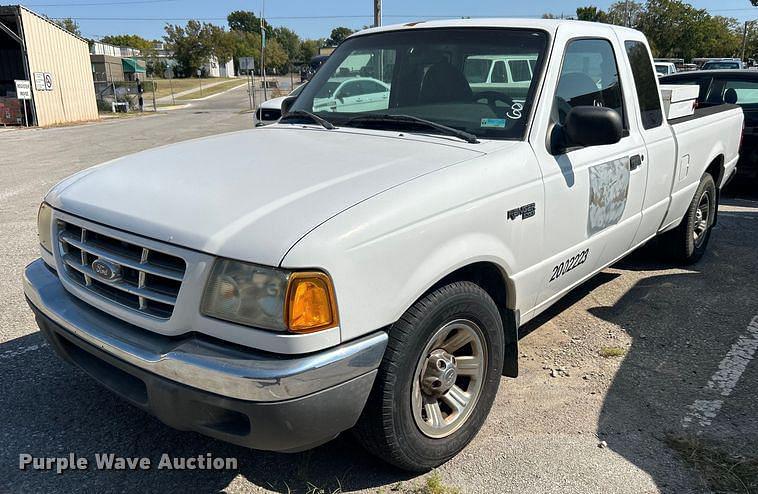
x,y
593,195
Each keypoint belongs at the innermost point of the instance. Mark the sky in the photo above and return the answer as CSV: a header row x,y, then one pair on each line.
x,y
314,18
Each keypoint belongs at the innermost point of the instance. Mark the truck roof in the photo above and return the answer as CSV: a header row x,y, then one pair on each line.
x,y
550,25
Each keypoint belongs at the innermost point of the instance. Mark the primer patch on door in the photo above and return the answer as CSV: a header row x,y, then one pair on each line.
x,y
609,188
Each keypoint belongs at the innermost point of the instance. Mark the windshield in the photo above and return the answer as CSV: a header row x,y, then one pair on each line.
x,y
721,65
662,69
478,80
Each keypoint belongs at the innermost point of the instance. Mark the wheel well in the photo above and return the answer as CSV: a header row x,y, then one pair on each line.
x,y
716,169
485,274
492,279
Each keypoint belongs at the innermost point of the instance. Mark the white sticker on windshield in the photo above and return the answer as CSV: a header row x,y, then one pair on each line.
x,y
493,123
515,113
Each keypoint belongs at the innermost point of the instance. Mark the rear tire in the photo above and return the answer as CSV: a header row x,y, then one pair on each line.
x,y
407,420
687,243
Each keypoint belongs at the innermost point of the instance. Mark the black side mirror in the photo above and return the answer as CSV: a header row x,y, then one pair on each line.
x,y
587,126
287,104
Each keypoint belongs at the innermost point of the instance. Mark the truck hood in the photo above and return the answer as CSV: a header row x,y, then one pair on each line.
x,y
249,195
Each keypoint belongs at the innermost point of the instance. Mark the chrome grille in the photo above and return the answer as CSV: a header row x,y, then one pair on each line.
x,y
145,280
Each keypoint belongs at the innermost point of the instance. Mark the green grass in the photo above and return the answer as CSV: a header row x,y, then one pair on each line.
x,y
612,351
229,84
719,470
434,485
163,86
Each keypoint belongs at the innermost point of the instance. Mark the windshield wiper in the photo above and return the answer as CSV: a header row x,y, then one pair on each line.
x,y
306,114
410,119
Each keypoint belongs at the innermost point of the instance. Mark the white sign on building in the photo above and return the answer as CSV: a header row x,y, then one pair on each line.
x,y
23,89
39,81
43,81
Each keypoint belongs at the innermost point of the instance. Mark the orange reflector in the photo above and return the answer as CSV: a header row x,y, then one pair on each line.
x,y
310,303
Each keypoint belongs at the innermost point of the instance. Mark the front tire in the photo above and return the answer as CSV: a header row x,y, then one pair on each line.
x,y
438,379
687,243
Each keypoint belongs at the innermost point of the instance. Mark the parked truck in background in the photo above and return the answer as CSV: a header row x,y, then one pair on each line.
x,y
374,276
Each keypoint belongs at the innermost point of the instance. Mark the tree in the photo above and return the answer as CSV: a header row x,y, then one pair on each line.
x,y
221,42
677,29
624,13
246,44
309,48
192,45
720,37
248,22
69,25
289,40
276,56
131,41
549,16
590,13
339,34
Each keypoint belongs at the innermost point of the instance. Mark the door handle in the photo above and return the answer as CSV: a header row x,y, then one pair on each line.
x,y
635,161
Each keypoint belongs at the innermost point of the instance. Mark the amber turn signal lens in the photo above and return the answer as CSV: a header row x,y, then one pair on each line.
x,y
310,303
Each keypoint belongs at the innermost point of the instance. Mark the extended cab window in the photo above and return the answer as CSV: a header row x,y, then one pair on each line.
x,y
644,82
589,77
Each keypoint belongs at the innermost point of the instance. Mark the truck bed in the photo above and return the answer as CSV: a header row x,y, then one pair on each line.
x,y
711,134
703,112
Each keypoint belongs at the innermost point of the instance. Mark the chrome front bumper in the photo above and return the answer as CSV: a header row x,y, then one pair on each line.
x,y
202,363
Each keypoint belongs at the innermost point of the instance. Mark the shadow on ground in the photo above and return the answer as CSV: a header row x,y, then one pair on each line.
x,y
51,409
682,324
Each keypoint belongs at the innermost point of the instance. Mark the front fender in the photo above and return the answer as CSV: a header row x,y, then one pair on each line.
x,y
446,259
385,252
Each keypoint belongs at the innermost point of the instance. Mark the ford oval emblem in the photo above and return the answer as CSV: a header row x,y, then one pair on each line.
x,y
106,270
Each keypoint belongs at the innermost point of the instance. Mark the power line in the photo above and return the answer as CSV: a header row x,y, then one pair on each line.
x,y
209,18
306,17
96,4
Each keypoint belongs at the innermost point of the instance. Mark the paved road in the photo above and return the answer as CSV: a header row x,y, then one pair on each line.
x,y
676,326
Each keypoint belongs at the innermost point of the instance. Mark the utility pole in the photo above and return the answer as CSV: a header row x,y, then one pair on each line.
x,y
263,50
744,39
377,13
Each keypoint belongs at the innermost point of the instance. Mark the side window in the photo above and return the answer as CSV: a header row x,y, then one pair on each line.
x,y
498,72
374,87
740,92
361,88
476,70
348,90
520,70
644,82
589,76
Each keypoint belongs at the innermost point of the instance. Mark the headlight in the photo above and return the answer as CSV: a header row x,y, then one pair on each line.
x,y
45,226
270,298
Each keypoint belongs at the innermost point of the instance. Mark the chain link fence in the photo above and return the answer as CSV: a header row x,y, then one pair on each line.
x,y
123,96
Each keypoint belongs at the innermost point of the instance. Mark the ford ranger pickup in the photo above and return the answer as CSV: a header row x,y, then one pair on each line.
x,y
367,266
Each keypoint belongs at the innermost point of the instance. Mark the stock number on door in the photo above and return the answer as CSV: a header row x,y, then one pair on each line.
x,y
569,264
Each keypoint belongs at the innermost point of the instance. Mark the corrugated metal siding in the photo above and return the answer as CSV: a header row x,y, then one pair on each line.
x,y
66,57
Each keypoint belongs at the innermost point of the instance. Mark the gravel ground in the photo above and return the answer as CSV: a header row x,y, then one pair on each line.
x,y
575,421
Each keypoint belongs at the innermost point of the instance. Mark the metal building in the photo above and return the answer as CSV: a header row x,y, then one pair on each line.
x,y
57,64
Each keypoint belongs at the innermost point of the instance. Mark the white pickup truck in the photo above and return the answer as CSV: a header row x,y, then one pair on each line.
x,y
369,270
